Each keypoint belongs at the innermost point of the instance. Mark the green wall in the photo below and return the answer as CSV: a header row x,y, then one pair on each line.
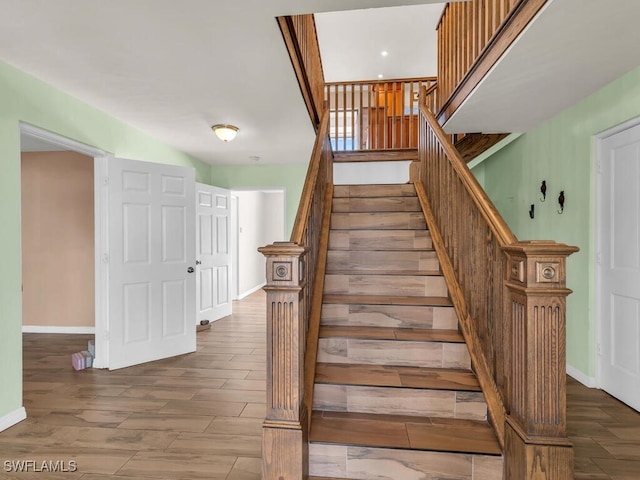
x,y
290,177
562,152
27,99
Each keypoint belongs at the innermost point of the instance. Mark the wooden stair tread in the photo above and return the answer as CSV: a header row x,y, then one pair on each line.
x,y
388,333
397,376
378,221
410,433
381,190
362,271
327,478
373,239
387,300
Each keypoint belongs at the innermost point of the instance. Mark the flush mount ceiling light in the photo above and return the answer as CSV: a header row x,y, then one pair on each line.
x,y
226,133
384,53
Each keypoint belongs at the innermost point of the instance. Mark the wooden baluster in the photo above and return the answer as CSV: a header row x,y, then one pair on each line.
x,y
337,110
353,113
344,117
284,431
536,445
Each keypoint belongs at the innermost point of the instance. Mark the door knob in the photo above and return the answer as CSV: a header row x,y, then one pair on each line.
x,y
190,270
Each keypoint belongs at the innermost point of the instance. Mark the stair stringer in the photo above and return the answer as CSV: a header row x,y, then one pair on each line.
x,y
493,397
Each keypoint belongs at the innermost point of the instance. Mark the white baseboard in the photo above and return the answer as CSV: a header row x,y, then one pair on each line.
x,y
581,377
249,292
12,418
49,329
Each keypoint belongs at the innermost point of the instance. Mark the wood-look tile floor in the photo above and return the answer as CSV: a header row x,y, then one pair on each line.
x,y
605,434
195,416
199,416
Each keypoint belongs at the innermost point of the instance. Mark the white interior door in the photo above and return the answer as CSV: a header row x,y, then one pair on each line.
x,y
213,252
151,262
620,265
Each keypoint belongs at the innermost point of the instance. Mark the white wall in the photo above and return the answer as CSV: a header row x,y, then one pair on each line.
x,y
358,173
261,221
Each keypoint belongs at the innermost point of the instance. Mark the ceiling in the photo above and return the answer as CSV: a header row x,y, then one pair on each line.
x,y
173,69
173,72
572,49
352,42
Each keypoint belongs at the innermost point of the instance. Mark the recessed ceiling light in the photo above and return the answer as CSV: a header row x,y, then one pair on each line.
x,y
380,75
384,53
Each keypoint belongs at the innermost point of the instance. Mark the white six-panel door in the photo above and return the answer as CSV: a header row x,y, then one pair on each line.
x,y
151,262
213,252
619,265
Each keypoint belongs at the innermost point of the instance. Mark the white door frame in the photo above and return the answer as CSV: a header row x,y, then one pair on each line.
x,y
599,154
100,233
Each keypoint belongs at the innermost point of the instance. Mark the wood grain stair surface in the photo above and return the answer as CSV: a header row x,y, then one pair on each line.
x,y
404,432
397,376
370,261
387,300
327,478
376,204
386,333
378,221
386,240
394,391
408,273
408,285
395,190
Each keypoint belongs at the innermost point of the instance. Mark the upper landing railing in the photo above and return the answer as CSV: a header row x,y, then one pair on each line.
x,y
375,115
472,36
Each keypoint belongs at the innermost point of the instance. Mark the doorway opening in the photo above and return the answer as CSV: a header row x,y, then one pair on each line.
x,y
61,236
261,220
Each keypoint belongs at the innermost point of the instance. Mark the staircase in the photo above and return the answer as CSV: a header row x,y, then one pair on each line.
x,y
394,395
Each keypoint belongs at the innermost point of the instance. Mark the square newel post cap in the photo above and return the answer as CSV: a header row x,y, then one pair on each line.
x,y
285,265
538,264
540,247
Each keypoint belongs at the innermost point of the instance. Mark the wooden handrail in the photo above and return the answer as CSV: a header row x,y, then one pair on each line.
x,y
295,277
495,221
306,199
493,397
472,37
313,334
301,39
510,300
425,80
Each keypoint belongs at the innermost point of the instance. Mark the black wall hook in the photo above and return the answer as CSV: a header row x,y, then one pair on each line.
x,y
532,210
543,190
561,202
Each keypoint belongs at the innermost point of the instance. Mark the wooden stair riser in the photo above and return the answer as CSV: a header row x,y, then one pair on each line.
x,y
377,240
393,352
358,261
398,316
376,204
378,220
397,190
364,463
410,401
396,376
413,286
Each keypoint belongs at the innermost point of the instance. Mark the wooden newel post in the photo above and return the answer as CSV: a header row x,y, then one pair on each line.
x,y
284,432
536,444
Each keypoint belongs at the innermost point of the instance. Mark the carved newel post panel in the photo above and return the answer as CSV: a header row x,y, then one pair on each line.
x,y
284,432
536,444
